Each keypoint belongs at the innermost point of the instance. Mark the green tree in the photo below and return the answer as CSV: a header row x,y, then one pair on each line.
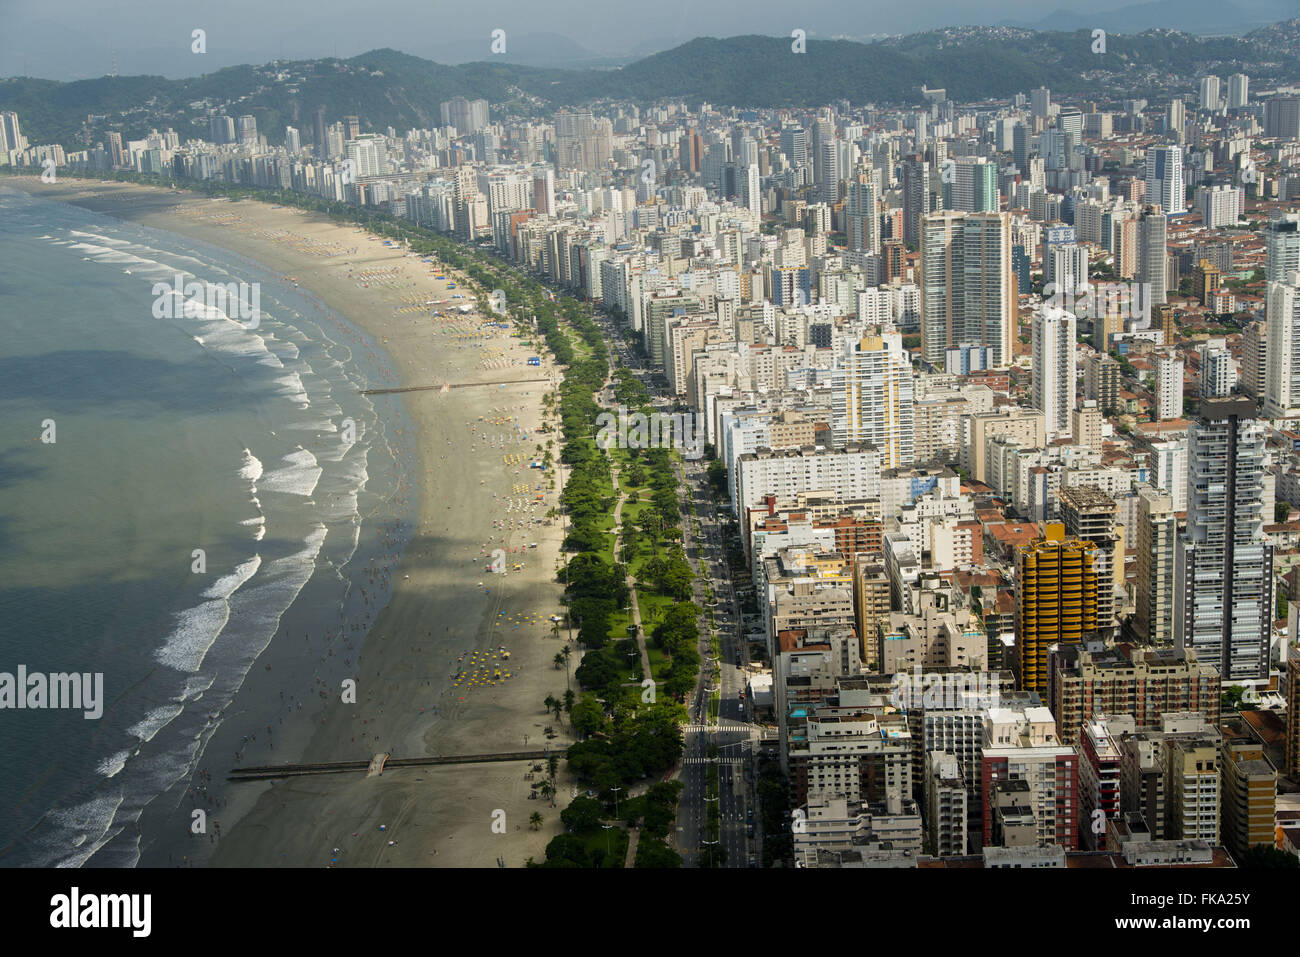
x,y
1262,857
582,815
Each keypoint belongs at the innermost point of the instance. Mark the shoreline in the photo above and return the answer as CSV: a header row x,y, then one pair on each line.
x,y
404,663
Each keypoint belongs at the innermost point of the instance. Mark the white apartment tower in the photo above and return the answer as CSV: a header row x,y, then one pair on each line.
x,y
1169,387
1052,388
1282,376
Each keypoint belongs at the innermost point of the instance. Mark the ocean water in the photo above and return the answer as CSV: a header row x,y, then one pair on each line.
x,y
171,435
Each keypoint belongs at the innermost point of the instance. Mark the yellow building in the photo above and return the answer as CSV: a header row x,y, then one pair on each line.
x,y
1056,600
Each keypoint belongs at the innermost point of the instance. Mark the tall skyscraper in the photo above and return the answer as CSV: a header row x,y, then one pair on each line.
x,y
1282,117
1089,515
1040,103
467,116
1238,91
1176,117
794,144
988,286
1052,386
1282,356
321,139
1157,535
1020,148
974,187
1164,179
1209,93
1153,253
1293,715
11,137
862,210
1223,605
968,293
351,127
916,196
116,156
247,131
828,183
872,398
1169,387
1282,246
1056,600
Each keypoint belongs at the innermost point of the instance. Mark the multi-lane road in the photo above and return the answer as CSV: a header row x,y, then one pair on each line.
x,y
727,739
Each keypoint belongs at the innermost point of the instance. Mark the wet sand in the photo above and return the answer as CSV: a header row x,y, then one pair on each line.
x,y
446,613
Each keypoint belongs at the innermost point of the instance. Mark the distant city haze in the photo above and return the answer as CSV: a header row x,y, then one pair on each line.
x,y
77,39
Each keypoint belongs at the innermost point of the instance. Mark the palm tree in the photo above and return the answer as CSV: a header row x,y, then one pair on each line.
x,y
547,790
558,707
559,661
535,820
569,698
552,704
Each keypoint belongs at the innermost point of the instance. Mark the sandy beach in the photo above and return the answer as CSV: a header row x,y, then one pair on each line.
x,y
447,613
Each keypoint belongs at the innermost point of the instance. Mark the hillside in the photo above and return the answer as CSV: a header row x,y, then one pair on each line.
x,y
388,88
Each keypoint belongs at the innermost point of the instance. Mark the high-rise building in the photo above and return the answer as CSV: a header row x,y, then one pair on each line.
x,y
1141,683
1099,779
872,399
1218,374
1282,357
1040,103
1254,359
467,116
1292,744
247,127
974,187
794,144
321,136
1249,791
1209,99
968,292
292,142
1220,205
862,210
1020,148
1157,540
221,129
1089,516
1176,117
1101,381
368,155
116,156
1223,605
1153,253
1169,387
11,137
1281,246
1282,117
1238,91
1192,788
1056,600
1029,781
1164,179
1052,385
946,804
916,196
351,127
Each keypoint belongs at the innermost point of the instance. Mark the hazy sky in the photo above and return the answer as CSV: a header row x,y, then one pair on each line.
x,y
74,39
